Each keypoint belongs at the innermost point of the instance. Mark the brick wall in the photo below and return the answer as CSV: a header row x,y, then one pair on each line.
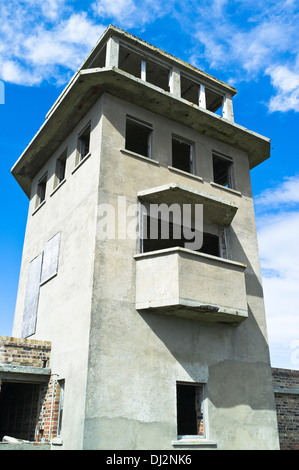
x,y
286,391
24,352
39,406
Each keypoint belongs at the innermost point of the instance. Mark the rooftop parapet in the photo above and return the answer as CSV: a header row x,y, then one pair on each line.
x,y
129,68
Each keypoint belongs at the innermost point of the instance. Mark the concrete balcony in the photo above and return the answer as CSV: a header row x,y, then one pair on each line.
x,y
188,284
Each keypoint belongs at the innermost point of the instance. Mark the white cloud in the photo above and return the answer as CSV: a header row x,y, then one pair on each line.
x,y
286,82
13,72
257,39
286,193
244,39
279,255
65,44
133,13
43,40
121,10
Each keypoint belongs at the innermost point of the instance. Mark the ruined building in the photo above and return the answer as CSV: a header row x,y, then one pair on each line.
x,y
140,342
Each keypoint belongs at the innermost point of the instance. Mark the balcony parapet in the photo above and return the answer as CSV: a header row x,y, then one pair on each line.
x,y
183,283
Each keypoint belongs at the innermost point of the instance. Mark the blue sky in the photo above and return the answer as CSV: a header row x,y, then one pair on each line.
x,y
252,45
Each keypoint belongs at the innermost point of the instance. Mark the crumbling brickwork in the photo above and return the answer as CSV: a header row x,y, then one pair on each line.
x,y
286,390
47,425
28,411
24,352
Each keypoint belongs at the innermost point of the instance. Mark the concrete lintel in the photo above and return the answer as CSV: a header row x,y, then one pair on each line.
x,y
24,373
287,391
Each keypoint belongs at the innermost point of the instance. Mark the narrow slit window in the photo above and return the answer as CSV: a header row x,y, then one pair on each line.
x,y
138,137
182,155
84,143
41,191
222,169
60,169
61,403
190,419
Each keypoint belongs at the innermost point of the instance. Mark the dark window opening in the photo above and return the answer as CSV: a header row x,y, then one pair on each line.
x,y
41,191
157,75
189,410
189,90
159,237
129,62
214,101
61,404
19,410
138,137
83,143
222,171
210,244
60,168
182,155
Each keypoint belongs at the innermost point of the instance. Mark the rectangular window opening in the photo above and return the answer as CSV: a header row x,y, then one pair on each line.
x,y
157,75
130,61
84,143
222,169
214,101
156,236
41,191
182,155
189,90
190,419
138,137
20,406
60,169
210,244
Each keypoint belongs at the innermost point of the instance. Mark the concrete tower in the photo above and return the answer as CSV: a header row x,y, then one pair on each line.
x,y
158,342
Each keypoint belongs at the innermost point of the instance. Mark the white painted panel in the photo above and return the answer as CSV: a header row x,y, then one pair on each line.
x,y
32,296
50,260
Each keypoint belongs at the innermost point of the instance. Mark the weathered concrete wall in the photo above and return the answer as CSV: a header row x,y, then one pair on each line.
x,y
64,302
135,359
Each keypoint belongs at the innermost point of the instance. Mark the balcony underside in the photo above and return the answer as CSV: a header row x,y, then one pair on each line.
x,y
196,311
216,210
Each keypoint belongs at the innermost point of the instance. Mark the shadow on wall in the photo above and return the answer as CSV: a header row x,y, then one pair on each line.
x,y
237,358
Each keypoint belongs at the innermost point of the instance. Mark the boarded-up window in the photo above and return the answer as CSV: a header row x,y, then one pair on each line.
x,y
50,259
32,296
41,269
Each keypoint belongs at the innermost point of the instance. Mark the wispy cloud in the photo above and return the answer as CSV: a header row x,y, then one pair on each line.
x,y
251,40
48,39
285,194
121,10
43,40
